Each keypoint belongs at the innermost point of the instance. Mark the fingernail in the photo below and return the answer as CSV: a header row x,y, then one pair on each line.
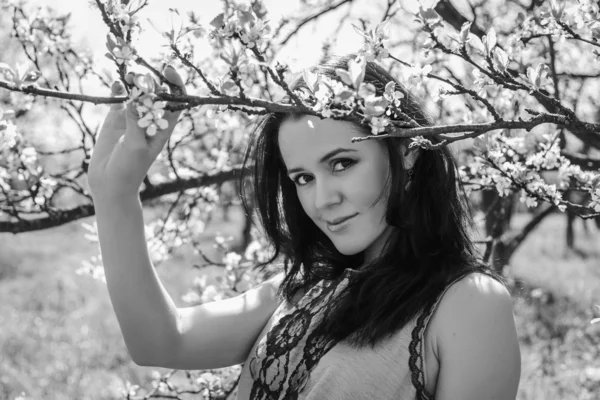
x,y
169,66
117,87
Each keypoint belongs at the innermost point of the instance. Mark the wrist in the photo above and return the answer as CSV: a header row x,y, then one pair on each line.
x,y
112,200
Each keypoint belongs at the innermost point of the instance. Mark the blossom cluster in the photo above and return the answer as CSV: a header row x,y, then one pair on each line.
x,y
374,41
123,14
339,97
246,22
151,111
511,165
119,50
19,76
8,130
42,30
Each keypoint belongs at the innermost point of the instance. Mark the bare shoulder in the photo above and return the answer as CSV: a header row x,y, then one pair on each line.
x,y
475,324
476,300
478,290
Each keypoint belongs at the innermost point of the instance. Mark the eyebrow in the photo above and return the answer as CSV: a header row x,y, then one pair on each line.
x,y
325,157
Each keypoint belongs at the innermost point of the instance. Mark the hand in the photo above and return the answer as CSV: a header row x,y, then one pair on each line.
x,y
124,151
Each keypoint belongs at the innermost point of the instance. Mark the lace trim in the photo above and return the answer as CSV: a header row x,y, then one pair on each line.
x,y
417,344
292,348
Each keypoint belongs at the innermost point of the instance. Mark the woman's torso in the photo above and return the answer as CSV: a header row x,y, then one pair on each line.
x,y
286,361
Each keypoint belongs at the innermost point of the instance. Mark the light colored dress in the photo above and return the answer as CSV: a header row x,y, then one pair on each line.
x,y
291,360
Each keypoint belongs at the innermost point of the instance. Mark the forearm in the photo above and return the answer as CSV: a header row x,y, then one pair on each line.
x,y
146,313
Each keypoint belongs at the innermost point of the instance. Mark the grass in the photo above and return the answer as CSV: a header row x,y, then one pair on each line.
x,y
60,338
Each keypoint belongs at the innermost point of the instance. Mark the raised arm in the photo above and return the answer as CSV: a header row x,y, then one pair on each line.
x,y
156,332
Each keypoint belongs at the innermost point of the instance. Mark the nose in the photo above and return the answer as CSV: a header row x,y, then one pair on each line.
x,y
326,193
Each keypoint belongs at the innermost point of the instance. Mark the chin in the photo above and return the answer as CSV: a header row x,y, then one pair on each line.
x,y
348,249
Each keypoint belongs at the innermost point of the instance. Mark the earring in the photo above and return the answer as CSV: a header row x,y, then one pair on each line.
x,y
410,174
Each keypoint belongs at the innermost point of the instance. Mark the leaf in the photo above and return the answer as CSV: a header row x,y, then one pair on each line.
x,y
389,87
7,114
344,76
464,32
537,75
356,69
8,72
259,9
429,14
311,79
228,85
382,29
245,17
501,59
218,21
476,43
361,32
557,10
153,25
345,94
490,40
31,76
366,90
110,43
532,75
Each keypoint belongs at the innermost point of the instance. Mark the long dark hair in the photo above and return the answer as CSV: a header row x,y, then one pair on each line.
x,y
429,248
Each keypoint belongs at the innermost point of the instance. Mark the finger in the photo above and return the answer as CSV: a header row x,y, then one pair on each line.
x,y
117,89
113,126
177,86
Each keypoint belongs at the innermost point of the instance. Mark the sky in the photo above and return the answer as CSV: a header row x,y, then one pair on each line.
x,y
90,30
88,27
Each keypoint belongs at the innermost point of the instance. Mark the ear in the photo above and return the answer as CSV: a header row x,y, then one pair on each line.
x,y
409,156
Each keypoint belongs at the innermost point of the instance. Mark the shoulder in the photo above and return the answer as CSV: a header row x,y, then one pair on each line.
x,y
473,301
477,291
474,324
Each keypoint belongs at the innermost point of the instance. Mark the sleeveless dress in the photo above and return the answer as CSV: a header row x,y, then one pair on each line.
x,y
291,360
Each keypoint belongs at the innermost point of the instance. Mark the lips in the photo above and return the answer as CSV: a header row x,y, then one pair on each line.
x,y
339,220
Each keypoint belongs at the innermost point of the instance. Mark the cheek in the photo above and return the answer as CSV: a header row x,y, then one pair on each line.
x,y
305,202
369,185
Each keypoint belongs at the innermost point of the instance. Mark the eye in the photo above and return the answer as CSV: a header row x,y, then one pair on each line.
x,y
339,165
297,179
345,162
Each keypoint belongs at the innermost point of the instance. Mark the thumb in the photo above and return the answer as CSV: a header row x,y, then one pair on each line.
x,y
117,89
174,80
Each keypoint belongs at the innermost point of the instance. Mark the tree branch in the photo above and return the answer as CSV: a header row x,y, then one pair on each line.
x,y
515,239
87,210
581,160
474,130
311,18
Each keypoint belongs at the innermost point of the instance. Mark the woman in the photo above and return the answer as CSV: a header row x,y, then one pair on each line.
x,y
382,295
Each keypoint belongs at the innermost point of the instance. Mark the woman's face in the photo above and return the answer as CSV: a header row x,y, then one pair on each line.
x,y
338,180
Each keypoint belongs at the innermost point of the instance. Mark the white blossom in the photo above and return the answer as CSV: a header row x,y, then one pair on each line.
x,y
378,125
595,200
